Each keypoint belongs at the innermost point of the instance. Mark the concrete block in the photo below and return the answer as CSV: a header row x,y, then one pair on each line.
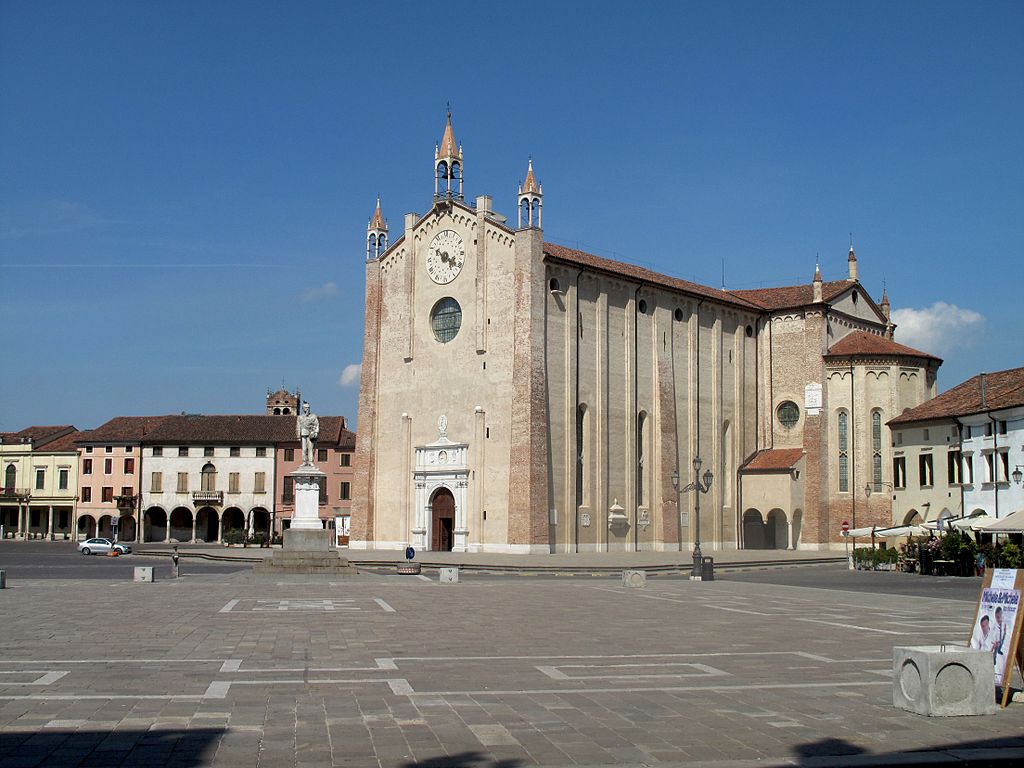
x,y
144,573
943,680
309,540
448,575
634,579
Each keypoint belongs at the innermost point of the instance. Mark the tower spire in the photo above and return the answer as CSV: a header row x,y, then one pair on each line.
x,y
816,283
531,199
376,234
448,163
851,261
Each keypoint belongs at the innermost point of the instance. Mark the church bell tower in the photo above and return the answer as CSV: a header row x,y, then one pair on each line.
x,y
376,235
530,201
448,165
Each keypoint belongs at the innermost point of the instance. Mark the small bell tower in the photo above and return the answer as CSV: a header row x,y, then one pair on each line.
x,y
376,235
448,165
530,200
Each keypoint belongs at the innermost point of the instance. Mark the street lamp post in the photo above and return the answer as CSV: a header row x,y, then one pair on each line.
x,y
700,485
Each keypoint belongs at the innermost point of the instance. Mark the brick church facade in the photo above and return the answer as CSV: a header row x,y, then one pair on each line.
x,y
520,396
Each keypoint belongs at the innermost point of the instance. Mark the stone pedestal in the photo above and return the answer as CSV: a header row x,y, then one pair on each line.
x,y
310,550
943,680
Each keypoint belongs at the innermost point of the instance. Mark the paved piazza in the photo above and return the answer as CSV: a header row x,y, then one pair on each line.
x,y
214,669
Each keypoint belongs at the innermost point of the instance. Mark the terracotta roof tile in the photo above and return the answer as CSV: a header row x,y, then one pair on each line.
x,y
788,296
65,444
773,460
871,344
122,429
633,272
1003,389
39,435
244,429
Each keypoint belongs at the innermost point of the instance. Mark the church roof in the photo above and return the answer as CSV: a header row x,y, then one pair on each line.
x,y
863,343
1002,389
789,296
633,272
448,147
773,460
63,444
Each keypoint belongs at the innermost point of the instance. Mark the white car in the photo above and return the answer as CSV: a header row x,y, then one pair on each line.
x,y
102,546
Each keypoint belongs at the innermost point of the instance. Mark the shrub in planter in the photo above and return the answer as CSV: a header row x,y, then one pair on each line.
x,y
1010,556
233,537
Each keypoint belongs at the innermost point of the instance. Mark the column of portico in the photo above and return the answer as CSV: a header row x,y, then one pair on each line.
x,y
49,524
167,533
22,521
789,532
193,539
220,527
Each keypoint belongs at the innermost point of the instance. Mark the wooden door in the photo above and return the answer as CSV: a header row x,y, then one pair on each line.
x,y
442,521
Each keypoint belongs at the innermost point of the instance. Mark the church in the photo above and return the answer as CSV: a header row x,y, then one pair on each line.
x,y
524,397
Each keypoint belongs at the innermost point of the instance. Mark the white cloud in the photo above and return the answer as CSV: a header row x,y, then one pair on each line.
x,y
320,292
938,329
350,376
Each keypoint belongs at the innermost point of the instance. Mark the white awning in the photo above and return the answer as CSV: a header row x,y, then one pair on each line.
x,y
902,530
1010,524
854,532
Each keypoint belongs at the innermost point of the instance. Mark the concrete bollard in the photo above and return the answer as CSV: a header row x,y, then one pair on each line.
x,y
144,573
943,680
3,579
634,579
448,575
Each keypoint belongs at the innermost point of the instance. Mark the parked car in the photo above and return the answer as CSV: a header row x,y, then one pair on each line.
x,y
102,546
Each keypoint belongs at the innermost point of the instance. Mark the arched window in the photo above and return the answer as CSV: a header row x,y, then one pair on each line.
x,y
844,452
581,456
876,450
642,468
10,476
209,477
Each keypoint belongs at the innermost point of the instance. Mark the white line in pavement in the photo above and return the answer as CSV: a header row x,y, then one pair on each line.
x,y
228,606
108,660
217,690
104,697
45,678
672,689
383,605
424,578
855,626
719,607
231,665
386,664
616,656
401,687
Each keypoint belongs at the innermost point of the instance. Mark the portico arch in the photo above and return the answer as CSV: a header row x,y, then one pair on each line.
x,y
181,524
777,530
154,524
753,530
913,517
86,526
207,524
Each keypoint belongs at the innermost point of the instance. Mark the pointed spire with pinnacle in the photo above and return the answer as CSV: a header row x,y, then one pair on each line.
x,y
448,163
376,235
530,200
851,261
816,283
886,309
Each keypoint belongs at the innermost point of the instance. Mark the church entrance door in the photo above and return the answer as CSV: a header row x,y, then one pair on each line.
x,y
442,519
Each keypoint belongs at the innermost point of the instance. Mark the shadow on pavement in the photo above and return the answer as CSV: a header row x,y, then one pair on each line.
x,y
983,752
463,760
64,748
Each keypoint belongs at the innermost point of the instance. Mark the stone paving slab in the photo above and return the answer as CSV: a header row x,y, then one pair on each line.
x,y
384,670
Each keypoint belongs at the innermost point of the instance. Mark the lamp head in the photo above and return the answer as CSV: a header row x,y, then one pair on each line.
x,y
675,479
867,490
696,464
708,477
1017,475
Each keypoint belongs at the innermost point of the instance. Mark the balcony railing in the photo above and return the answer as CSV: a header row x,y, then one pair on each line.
x,y
208,497
13,493
126,501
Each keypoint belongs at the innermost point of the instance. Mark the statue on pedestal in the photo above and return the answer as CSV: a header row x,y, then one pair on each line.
x,y
307,429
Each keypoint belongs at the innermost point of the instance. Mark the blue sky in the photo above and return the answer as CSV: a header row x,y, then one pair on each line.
x,y
184,187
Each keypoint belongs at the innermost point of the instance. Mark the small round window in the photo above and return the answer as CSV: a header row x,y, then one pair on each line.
x,y
788,413
446,319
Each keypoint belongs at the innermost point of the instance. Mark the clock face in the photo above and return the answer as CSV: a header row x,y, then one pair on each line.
x,y
445,257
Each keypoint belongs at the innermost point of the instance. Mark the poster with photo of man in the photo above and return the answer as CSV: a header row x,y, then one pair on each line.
x,y
993,626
